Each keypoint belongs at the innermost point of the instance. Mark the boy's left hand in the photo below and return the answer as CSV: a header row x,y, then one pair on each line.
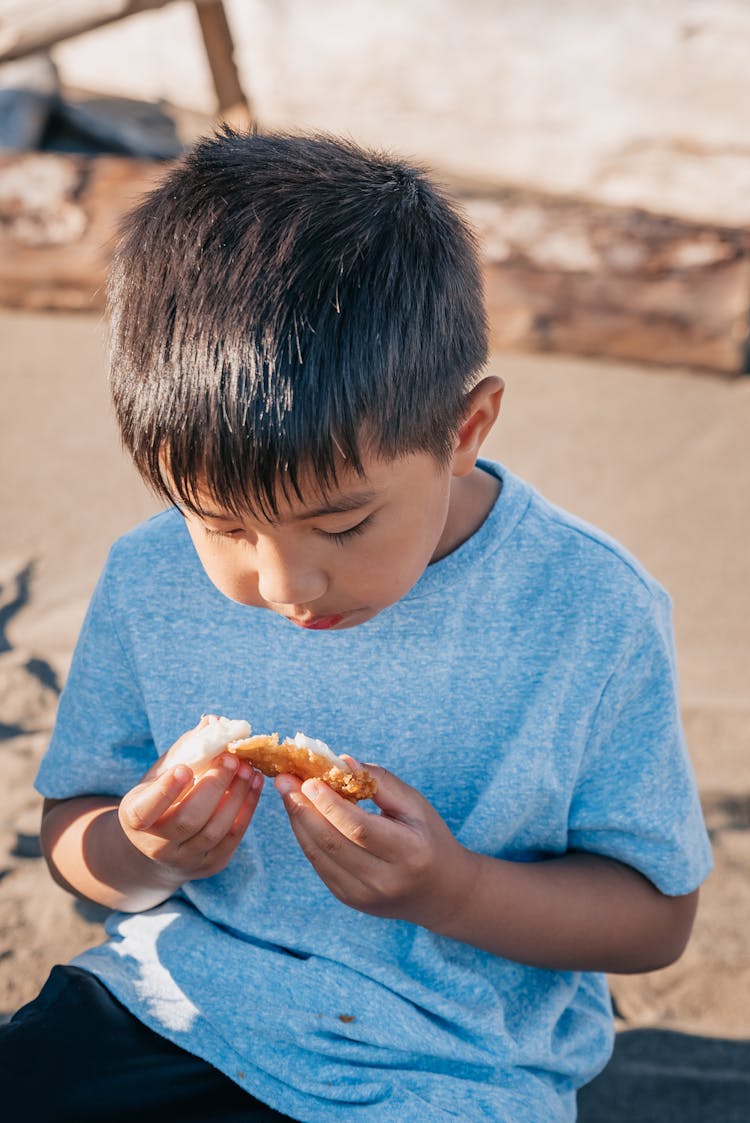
x,y
403,863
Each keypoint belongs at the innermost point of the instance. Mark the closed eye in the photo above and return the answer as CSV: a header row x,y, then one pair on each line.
x,y
338,536
222,533
342,536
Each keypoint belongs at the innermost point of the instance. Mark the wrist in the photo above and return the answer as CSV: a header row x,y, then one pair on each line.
x,y
456,894
142,881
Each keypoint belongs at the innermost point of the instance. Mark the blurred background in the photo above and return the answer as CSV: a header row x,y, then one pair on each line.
x,y
601,151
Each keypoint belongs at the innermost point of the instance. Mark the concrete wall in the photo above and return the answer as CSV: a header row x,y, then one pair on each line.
x,y
640,102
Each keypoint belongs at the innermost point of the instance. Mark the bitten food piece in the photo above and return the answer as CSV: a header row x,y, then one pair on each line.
x,y
306,758
302,756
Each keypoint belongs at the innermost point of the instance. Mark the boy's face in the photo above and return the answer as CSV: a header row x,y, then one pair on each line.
x,y
333,563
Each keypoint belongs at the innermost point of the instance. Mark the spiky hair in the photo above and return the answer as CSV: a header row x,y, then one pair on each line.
x,y
280,304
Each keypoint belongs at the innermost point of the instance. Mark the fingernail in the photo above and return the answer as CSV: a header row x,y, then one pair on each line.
x,y
181,774
230,763
283,785
312,789
257,781
244,771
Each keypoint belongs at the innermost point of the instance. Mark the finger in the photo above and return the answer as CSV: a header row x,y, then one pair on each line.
x,y
395,799
320,841
353,764
220,823
249,804
188,818
371,832
219,856
208,851
347,870
146,804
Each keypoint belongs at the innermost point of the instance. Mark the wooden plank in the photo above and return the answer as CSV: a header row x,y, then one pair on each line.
x,y
572,276
36,25
58,222
560,275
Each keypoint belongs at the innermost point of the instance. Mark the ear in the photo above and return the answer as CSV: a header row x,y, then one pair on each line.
x,y
482,408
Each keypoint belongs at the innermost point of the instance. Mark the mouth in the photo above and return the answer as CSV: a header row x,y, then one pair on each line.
x,y
319,623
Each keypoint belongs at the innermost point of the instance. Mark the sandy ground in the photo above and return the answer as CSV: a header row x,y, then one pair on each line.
x,y
659,459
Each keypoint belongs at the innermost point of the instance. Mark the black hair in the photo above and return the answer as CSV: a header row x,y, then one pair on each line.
x,y
282,304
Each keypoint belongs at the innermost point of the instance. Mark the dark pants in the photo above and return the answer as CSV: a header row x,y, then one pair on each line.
x,y
76,1055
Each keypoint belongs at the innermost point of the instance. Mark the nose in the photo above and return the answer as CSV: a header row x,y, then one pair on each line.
x,y
286,577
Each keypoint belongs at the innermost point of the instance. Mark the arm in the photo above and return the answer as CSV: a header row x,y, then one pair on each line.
x,y
132,854
576,912
579,912
90,856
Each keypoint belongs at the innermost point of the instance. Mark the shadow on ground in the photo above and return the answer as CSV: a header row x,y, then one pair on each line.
x,y
658,1076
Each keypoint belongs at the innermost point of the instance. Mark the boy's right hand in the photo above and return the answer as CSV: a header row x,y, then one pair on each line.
x,y
190,827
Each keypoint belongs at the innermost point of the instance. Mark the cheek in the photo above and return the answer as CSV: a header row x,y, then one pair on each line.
x,y
390,567
228,571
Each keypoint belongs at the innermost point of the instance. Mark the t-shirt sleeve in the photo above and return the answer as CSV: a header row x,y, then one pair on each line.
x,y
636,798
101,742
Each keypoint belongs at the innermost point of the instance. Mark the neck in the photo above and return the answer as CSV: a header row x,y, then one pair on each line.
x,y
472,497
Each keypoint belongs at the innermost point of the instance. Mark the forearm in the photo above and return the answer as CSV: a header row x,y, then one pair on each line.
x,y
89,854
577,912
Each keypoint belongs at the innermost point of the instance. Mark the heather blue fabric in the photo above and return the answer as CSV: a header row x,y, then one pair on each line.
x,y
526,685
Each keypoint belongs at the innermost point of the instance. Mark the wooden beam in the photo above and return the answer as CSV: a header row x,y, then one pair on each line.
x,y
32,27
233,105
40,24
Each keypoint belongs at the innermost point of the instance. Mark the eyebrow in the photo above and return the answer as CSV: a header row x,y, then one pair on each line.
x,y
340,506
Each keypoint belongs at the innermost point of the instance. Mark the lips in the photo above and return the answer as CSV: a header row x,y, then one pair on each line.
x,y
318,623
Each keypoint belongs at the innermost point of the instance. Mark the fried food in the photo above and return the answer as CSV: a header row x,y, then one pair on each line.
x,y
302,756
307,759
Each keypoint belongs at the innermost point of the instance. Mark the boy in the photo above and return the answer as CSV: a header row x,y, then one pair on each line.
x,y
298,336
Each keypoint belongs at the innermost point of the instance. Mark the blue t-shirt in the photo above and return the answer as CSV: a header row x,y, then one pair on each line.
x,y
526,685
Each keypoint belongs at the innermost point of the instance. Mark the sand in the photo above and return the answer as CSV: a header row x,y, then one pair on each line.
x,y
659,459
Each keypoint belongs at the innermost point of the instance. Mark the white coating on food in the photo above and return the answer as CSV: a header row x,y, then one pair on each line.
x,y
320,748
205,742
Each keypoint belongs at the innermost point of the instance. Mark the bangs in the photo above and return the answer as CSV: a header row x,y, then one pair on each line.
x,y
245,451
